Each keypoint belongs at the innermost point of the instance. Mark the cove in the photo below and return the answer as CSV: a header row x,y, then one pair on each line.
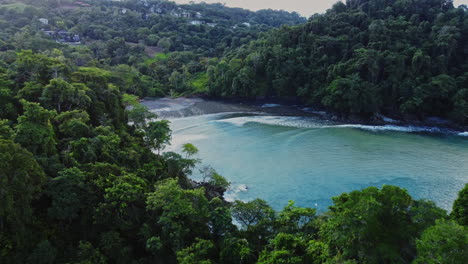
x,y
282,158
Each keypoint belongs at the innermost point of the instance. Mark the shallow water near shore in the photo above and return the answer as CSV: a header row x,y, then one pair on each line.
x,y
309,160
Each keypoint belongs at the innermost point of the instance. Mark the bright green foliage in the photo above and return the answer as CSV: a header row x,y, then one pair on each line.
x,y
129,99
34,130
154,245
87,254
251,214
460,207
284,249
200,252
371,226
183,213
123,201
293,249
5,130
213,179
95,76
189,150
73,124
34,67
158,135
139,115
296,220
218,181
32,91
63,96
200,83
446,242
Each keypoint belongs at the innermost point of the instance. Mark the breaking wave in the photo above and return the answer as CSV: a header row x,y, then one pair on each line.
x,y
307,122
289,121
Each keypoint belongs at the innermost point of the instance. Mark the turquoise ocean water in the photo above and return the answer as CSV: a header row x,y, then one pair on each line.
x,y
278,158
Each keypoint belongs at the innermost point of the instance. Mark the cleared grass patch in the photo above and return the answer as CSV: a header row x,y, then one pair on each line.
x,y
200,82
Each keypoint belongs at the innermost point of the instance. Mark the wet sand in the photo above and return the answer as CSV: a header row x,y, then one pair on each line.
x,y
183,107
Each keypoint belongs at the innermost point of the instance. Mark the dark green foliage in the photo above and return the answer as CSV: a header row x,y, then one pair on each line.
x,y
460,207
79,179
395,57
445,242
374,226
21,181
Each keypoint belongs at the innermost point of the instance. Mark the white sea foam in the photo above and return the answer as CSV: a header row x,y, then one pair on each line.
x,y
233,193
288,121
306,122
409,129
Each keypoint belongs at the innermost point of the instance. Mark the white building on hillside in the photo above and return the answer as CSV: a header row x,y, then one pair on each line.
x,y
44,21
196,22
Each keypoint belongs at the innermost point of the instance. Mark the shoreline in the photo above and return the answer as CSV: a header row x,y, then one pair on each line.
x,y
193,106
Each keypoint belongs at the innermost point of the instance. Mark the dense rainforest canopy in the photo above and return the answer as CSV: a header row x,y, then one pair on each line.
x,y
84,177
158,47
407,58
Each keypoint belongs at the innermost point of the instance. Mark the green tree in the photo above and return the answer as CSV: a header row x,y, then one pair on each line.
x,y
289,248
139,115
64,96
460,207
73,124
44,253
68,193
200,252
183,214
123,203
351,95
296,220
373,225
34,130
446,242
158,135
5,130
21,181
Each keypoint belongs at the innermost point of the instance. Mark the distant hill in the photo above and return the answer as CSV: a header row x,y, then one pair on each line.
x,y
403,58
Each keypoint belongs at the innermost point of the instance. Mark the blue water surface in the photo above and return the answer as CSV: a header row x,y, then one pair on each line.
x,y
294,158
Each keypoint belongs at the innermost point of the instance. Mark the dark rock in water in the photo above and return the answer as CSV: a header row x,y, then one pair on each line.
x,y
211,191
